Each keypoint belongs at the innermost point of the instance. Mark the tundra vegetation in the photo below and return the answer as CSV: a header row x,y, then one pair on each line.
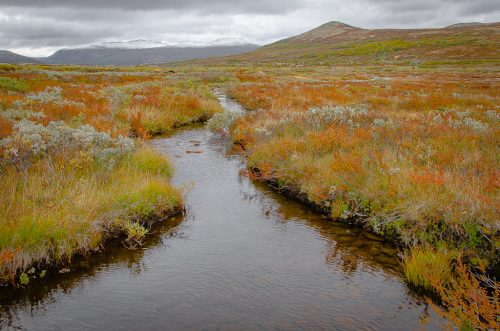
x,y
397,134
406,149
72,173
409,153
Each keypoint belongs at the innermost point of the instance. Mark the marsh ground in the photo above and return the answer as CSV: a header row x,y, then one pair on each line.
x,y
404,146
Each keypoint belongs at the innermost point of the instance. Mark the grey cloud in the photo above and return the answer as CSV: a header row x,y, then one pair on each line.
x,y
445,8
480,7
36,24
404,6
430,13
213,6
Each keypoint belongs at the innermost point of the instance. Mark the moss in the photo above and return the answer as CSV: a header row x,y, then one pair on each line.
x,y
135,233
24,279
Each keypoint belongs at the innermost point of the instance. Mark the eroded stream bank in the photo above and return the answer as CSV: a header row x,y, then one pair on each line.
x,y
243,257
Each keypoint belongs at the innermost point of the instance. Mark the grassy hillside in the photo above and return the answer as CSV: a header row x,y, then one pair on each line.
x,y
336,43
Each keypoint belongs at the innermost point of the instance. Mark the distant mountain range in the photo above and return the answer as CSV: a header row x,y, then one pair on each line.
x,y
11,57
143,43
136,52
134,56
329,44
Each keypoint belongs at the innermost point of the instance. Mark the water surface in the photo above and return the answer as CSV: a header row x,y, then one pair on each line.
x,y
241,258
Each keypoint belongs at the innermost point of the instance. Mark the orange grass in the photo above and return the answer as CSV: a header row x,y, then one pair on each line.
x,y
421,166
68,202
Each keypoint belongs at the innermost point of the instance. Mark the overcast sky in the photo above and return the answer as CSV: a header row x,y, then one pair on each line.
x,y
39,27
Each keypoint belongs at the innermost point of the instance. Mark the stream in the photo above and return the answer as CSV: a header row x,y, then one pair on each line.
x,y
241,258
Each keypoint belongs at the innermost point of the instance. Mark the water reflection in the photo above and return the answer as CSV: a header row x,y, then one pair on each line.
x,y
41,292
242,257
347,247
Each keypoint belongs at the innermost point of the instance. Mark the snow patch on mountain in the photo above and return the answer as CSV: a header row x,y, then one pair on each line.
x,y
142,44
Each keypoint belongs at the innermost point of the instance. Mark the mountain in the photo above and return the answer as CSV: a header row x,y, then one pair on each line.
x,y
323,33
10,57
228,42
137,52
459,25
337,43
333,43
142,43
130,56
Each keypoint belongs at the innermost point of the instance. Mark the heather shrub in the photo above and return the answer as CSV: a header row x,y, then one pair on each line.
x,y
470,301
222,122
31,140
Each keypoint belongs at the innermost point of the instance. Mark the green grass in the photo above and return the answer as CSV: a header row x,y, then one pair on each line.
x,y
53,213
421,265
11,84
154,199
375,48
147,160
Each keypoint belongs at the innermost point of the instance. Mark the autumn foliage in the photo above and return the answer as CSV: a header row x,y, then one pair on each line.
x,y
469,302
411,154
71,174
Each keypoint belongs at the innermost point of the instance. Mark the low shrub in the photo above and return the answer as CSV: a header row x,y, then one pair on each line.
x,y
469,301
31,140
222,122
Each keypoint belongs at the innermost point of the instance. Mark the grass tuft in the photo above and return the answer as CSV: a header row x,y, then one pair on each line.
x,y
147,160
421,263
